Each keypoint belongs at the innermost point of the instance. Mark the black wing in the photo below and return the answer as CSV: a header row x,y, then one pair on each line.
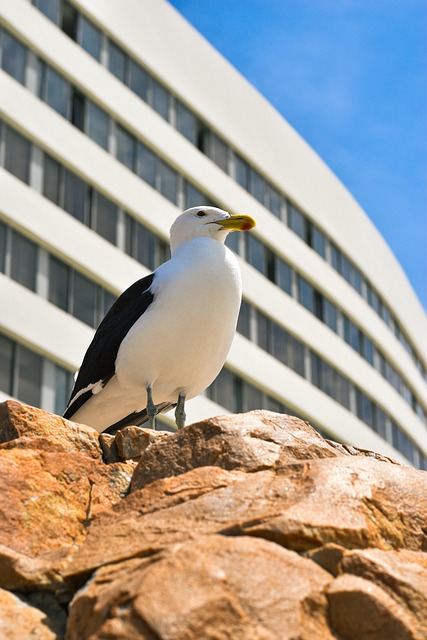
x,y
99,362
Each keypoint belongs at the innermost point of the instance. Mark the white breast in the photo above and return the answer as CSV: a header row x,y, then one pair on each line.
x,y
181,342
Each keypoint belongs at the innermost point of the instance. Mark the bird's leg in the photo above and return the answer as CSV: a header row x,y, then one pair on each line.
x,y
152,410
180,411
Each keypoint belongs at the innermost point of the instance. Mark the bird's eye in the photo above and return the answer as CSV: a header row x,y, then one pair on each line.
x,y
201,214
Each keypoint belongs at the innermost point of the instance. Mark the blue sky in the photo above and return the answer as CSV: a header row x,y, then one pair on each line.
x,y
350,76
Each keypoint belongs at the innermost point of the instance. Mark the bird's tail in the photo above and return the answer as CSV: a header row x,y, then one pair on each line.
x,y
137,418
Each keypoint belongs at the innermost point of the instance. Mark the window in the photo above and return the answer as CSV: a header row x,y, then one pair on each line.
x,y
364,408
274,405
69,20
328,382
143,245
330,315
168,182
74,293
78,110
51,179
223,390
294,357
50,8
352,335
264,332
242,172
76,197
305,294
356,279
21,375
84,299
3,231
160,99
297,222
336,258
232,242
97,124
368,350
90,38
318,242
279,343
29,377
342,390
373,299
104,219
252,397
63,386
318,301
284,276
186,122
203,137
17,155
13,56
270,264
257,186
345,268
146,167
55,91
108,299
195,198
6,364
274,201
125,148
117,61
386,315
244,320
218,151
138,80
255,253
59,283
380,424
23,261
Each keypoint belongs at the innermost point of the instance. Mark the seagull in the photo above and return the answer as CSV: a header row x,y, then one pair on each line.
x,y
166,338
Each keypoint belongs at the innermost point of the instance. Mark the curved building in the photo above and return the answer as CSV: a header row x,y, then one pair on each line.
x,y
117,115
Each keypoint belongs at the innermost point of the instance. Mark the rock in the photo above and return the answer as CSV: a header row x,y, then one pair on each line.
x,y
401,574
360,609
20,620
233,442
108,448
26,427
209,587
328,556
52,483
131,442
250,526
287,506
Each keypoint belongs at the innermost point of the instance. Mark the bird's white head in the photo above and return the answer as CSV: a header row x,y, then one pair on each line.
x,y
207,222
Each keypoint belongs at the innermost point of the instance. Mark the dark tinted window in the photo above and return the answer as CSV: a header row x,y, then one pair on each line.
x,y
17,155
90,38
29,377
76,196
23,261
59,277
13,56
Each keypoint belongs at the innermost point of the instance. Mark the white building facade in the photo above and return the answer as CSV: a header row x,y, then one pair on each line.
x,y
114,117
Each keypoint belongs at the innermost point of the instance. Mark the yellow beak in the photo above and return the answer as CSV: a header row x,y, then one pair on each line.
x,y
236,223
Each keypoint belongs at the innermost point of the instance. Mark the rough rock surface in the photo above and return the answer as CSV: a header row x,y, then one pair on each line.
x,y
240,527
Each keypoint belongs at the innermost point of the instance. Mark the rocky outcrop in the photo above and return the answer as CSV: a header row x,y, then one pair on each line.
x,y
240,527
